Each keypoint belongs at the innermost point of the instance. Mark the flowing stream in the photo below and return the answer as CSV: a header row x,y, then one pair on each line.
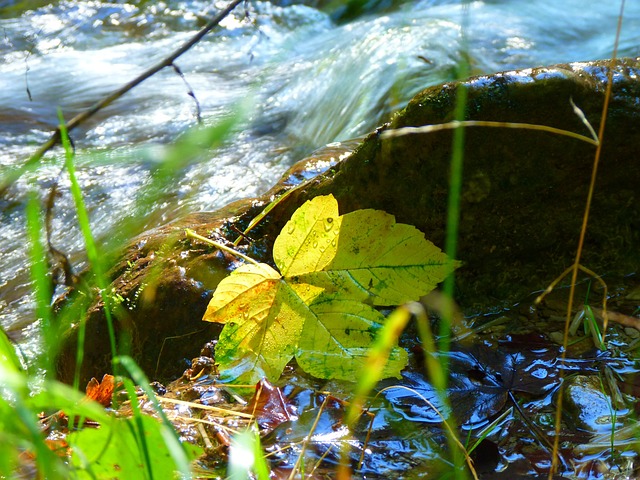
x,y
300,80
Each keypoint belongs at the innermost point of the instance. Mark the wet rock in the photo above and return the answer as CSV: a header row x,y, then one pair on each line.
x,y
163,283
523,192
585,405
522,202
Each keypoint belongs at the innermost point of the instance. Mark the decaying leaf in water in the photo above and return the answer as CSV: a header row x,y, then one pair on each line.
x,y
270,407
480,382
101,392
319,307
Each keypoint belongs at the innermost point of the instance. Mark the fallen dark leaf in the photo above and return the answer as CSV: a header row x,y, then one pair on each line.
x,y
480,379
270,406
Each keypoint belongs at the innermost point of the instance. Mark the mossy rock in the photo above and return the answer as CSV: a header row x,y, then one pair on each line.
x,y
523,192
522,205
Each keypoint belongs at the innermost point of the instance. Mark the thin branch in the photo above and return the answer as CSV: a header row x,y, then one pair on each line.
x,y
190,91
191,234
15,174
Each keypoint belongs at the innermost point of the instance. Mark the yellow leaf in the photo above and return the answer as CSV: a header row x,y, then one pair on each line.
x,y
230,298
264,317
334,269
308,241
380,261
337,344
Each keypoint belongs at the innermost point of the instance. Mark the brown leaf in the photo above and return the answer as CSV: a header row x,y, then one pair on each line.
x,y
101,392
270,406
59,446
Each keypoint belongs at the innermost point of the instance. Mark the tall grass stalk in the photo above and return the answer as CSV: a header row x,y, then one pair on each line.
x,y
453,218
455,188
583,232
90,246
40,280
169,435
139,432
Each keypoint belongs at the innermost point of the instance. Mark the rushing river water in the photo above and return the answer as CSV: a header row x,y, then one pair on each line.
x,y
302,79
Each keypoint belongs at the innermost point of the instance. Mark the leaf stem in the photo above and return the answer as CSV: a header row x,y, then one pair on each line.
x,y
191,234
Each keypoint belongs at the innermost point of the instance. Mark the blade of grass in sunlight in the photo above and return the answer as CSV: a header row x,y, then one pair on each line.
x,y
138,431
170,436
451,233
40,280
18,417
8,357
455,185
438,369
246,457
19,422
90,245
377,357
45,458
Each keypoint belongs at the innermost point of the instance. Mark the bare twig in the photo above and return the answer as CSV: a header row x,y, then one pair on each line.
x,y
15,174
190,91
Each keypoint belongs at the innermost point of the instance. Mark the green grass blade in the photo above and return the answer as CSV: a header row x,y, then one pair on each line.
x,y
592,325
19,406
138,432
453,218
246,457
90,245
377,357
40,279
8,357
169,434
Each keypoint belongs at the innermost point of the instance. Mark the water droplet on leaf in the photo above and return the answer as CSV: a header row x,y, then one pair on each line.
x,y
328,224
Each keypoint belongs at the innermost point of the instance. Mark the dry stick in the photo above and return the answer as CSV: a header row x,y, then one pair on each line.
x,y
12,176
399,132
583,231
592,274
190,91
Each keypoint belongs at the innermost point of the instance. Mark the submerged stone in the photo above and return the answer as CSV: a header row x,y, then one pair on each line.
x,y
521,206
586,406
